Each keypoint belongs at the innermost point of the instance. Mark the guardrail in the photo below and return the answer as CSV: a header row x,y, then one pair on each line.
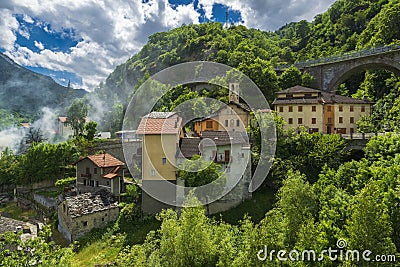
x,y
342,57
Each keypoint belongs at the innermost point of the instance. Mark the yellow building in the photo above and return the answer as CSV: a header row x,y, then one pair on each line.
x,y
160,133
320,111
232,117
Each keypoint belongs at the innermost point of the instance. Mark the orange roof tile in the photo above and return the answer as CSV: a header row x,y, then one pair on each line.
x,y
150,125
110,175
62,119
104,160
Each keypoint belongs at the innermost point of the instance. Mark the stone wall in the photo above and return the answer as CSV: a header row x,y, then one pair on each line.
x,y
48,202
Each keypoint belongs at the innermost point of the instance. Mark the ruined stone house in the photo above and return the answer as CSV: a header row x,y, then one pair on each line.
x,y
78,215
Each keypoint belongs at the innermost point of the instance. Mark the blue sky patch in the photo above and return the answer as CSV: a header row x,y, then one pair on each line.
x,y
45,36
219,14
60,77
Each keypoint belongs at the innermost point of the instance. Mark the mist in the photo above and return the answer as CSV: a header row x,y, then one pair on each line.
x,y
14,137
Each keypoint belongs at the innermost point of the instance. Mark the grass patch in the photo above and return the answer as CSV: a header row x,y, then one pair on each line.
x,y
101,247
256,207
136,232
13,211
100,252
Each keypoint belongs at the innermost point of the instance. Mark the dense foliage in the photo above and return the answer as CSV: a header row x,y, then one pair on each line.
x,y
323,196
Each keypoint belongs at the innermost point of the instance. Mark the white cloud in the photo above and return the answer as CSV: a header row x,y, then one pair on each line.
x,y
112,31
38,45
271,14
8,25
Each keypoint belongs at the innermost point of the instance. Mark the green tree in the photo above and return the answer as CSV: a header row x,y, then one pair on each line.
x,y
76,115
369,226
198,172
90,129
37,251
298,202
8,167
61,184
290,77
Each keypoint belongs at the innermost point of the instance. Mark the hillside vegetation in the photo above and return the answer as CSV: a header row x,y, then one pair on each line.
x,y
346,26
24,93
324,194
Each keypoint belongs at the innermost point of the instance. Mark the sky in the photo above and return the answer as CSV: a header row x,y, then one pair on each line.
x,y
83,41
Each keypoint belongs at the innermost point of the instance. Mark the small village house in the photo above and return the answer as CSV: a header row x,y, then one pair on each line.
x,y
235,116
102,171
64,129
320,111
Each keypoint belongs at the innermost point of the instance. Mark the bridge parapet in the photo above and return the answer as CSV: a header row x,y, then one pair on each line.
x,y
342,57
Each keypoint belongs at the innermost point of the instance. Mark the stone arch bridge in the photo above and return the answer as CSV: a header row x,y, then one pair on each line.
x,y
330,72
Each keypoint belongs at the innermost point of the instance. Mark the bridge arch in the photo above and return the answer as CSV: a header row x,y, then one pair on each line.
x,y
344,74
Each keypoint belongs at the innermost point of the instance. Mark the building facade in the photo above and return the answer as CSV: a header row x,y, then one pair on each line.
x,y
235,116
101,171
320,111
64,129
160,133
231,150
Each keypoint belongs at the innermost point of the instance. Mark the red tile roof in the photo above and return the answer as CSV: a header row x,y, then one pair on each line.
x,y
149,125
25,124
110,175
104,160
62,119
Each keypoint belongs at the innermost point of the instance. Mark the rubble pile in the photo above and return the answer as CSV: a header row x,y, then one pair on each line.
x,y
90,202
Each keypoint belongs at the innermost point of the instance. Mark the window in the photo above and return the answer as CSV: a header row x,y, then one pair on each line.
x,y
226,123
97,183
289,95
84,182
85,223
314,121
340,108
300,108
64,207
280,109
95,170
351,108
102,219
232,122
307,95
351,119
242,155
314,108
290,121
237,123
330,120
209,124
329,108
362,108
108,182
352,130
87,170
153,172
164,161
290,109
340,119
299,121
92,183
